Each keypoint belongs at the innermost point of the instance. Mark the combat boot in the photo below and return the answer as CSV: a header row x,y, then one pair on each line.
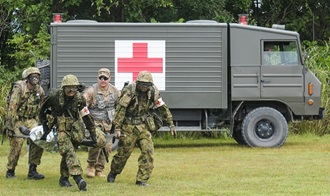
x,y
139,183
33,174
64,182
90,170
80,182
111,177
100,174
10,173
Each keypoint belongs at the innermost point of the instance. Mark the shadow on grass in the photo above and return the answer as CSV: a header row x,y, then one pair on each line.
x,y
196,143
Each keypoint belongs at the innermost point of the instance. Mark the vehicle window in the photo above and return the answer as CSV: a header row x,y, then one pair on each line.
x,y
280,53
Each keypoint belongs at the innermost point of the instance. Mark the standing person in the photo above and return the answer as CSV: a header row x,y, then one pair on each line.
x,y
68,107
100,99
134,107
23,109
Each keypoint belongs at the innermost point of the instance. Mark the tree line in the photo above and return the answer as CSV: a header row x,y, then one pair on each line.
x,y
24,25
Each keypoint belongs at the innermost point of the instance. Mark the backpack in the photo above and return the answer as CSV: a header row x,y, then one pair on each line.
x,y
6,127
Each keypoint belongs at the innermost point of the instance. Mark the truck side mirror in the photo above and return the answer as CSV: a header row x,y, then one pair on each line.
x,y
306,56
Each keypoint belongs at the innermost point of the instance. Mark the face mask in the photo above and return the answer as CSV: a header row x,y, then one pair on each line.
x,y
143,86
70,90
33,79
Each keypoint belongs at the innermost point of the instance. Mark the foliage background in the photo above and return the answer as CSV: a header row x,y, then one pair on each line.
x,y
24,29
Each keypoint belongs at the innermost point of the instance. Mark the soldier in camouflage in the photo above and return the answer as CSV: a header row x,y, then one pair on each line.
x,y
101,99
68,107
24,106
134,106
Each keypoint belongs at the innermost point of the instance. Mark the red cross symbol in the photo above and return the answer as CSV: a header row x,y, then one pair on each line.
x,y
140,61
86,111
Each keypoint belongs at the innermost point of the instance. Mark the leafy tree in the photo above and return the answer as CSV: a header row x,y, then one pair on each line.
x,y
303,16
202,10
26,23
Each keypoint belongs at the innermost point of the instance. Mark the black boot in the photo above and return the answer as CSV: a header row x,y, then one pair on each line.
x,y
112,177
10,173
64,182
80,182
33,174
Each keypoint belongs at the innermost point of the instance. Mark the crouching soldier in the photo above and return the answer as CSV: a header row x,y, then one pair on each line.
x,y
68,107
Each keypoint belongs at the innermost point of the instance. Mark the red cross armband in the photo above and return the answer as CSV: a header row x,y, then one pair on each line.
x,y
84,111
159,102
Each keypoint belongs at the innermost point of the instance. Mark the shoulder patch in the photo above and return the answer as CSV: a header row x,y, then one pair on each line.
x,y
160,102
84,112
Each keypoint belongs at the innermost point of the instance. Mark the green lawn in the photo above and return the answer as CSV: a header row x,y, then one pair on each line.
x,y
197,167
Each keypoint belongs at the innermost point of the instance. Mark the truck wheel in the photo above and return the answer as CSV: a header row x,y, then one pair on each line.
x,y
238,137
264,127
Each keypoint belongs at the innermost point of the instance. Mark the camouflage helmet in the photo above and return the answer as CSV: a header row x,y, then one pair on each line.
x,y
144,76
69,80
30,70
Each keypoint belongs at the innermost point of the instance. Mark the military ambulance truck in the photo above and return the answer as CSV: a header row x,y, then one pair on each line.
x,y
251,80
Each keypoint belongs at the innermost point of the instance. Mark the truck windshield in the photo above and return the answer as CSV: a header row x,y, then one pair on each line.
x,y
280,53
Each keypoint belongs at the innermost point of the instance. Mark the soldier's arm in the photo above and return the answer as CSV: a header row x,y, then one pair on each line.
x,y
89,97
121,108
42,95
166,114
42,98
160,105
14,103
118,93
119,116
87,118
46,103
88,121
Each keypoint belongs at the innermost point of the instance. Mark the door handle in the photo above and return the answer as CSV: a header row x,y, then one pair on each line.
x,y
265,81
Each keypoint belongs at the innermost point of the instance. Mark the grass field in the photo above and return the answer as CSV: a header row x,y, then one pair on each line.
x,y
197,167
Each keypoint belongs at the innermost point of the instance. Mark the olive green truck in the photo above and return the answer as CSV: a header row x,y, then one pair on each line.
x,y
213,76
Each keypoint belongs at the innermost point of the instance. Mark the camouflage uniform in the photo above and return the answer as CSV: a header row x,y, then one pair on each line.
x,y
101,105
133,108
68,111
23,110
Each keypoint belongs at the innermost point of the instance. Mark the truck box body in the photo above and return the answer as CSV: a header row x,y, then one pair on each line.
x,y
211,75
195,66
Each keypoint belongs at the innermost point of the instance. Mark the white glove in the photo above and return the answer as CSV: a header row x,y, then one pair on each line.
x,y
117,133
108,147
173,131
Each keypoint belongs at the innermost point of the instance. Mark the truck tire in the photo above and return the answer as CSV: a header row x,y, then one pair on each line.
x,y
238,137
264,127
